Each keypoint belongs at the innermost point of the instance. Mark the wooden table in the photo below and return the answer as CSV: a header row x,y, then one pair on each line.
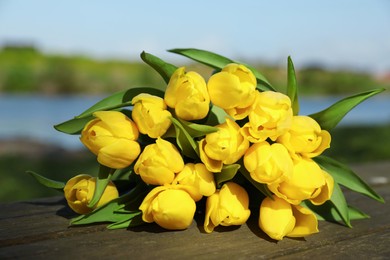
x,y
39,229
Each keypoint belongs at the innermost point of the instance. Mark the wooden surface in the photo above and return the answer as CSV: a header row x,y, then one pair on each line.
x,y
39,229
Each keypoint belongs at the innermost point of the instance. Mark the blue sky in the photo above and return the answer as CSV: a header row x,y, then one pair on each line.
x,y
335,33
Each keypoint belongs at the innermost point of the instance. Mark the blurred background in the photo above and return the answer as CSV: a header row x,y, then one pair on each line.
x,y
59,58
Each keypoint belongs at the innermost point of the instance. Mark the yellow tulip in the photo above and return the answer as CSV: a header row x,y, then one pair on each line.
x,y
226,146
170,206
227,206
278,219
112,137
151,115
187,94
268,163
79,191
159,162
270,117
308,181
305,137
197,176
233,89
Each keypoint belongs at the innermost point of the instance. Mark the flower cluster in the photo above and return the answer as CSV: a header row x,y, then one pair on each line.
x,y
223,146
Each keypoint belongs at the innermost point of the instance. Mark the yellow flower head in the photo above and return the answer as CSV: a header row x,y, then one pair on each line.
x,y
308,181
158,163
232,89
278,219
170,206
305,137
187,94
112,137
151,115
226,146
268,163
79,191
270,117
227,206
197,176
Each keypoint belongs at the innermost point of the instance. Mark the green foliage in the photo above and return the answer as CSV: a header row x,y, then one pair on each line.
x,y
331,116
28,71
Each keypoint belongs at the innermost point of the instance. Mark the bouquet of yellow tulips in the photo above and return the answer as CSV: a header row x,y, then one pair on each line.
x,y
222,147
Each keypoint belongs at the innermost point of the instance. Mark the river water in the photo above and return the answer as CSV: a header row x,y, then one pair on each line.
x,y
33,117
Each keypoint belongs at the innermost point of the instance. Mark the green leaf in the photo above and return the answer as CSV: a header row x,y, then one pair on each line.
x,y
163,68
129,220
216,116
328,212
104,177
217,61
338,200
197,130
208,58
73,126
343,175
184,140
292,89
57,185
106,213
227,173
259,186
331,116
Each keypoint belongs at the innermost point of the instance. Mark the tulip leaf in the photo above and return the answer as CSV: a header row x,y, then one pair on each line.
x,y
129,220
217,61
331,116
260,186
73,126
227,173
184,140
328,212
216,116
338,200
343,175
163,68
103,179
197,130
292,89
105,212
57,185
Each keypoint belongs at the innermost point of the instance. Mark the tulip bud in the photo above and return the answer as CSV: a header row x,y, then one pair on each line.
x,y
197,176
170,206
187,94
226,146
278,219
233,89
112,137
268,163
158,163
151,115
227,206
270,117
79,191
305,137
308,181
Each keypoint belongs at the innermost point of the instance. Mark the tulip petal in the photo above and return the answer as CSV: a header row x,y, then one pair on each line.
x,y
276,218
306,222
119,154
173,209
